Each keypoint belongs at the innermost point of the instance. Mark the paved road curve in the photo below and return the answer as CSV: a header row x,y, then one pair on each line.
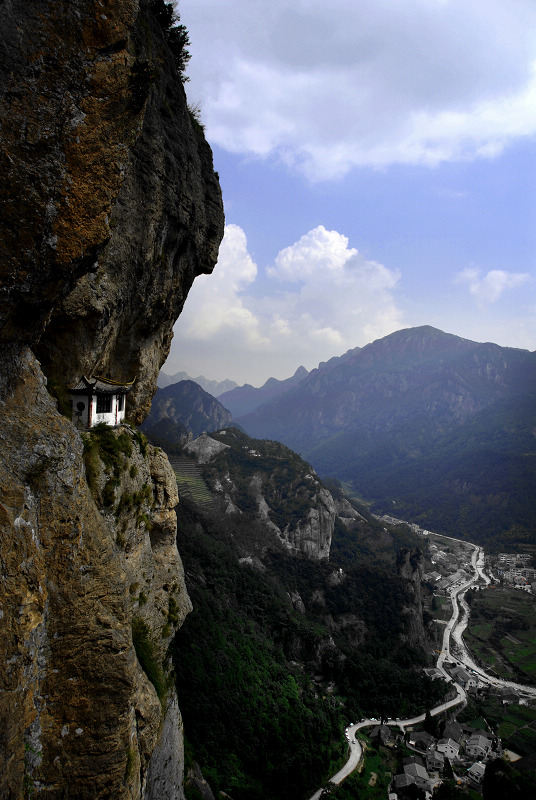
x,y
454,628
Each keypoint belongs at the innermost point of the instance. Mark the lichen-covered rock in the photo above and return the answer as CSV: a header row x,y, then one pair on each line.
x,y
80,716
111,205
110,209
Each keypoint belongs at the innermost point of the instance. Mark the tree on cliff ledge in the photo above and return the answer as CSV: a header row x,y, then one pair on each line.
x,y
175,34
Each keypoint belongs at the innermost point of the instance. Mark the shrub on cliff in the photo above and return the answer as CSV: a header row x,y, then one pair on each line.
x,y
175,34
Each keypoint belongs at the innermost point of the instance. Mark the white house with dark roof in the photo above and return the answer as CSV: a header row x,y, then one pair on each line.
x,y
97,400
476,773
448,747
478,746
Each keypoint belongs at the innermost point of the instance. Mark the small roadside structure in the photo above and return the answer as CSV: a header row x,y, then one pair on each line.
x,y
383,733
464,678
96,400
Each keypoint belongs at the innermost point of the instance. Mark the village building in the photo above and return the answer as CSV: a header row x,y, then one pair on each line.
x,y
383,733
421,740
475,773
453,730
434,673
464,678
402,781
96,400
478,746
418,775
435,761
449,748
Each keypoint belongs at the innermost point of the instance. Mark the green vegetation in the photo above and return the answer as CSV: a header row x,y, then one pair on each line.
x,y
285,478
514,724
61,395
141,441
372,782
257,724
474,481
175,34
502,781
260,724
146,655
502,632
130,765
103,444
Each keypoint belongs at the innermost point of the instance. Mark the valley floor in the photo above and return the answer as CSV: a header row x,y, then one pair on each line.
x,y
455,664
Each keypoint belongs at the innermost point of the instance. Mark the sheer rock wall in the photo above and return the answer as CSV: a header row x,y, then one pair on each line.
x,y
110,209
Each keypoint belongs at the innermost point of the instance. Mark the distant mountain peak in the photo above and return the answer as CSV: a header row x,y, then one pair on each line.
x,y
245,399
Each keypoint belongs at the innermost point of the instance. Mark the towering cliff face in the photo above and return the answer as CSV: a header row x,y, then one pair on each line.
x,y
111,210
112,205
410,566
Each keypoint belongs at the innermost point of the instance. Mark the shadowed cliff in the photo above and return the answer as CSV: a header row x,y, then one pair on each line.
x,y
110,209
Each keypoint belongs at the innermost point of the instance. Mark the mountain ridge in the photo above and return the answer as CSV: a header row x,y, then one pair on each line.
x,y
386,405
244,399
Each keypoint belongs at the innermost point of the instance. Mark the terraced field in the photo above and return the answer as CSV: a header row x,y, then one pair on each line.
x,y
190,482
502,632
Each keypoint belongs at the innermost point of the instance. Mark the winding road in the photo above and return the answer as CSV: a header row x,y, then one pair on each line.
x,y
454,628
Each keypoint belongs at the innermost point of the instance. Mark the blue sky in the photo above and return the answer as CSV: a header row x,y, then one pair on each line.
x,y
378,161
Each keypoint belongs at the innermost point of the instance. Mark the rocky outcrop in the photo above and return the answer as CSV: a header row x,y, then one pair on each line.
x,y
80,716
312,534
205,448
111,208
112,205
410,566
271,483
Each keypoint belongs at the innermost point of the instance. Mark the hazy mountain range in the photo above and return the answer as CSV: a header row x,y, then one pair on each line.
x,y
183,410
215,388
245,399
422,422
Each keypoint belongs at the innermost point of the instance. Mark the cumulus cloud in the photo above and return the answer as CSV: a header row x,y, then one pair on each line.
x,y
329,86
490,287
320,298
215,307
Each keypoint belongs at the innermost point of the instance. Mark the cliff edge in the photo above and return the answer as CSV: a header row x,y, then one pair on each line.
x,y
110,209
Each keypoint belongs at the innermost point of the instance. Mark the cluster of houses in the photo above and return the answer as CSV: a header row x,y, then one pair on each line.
x,y
461,753
514,568
469,681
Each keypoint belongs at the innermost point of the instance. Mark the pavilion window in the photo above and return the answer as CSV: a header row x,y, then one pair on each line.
x,y
104,403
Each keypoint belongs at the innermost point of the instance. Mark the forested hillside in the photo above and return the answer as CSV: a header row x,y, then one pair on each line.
x,y
284,648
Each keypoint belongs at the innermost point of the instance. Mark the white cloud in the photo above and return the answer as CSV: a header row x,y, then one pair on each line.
x,y
490,287
329,86
320,298
318,249
215,307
